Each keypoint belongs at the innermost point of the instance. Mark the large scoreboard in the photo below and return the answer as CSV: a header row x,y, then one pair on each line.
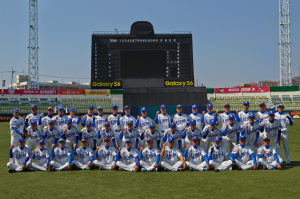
x,y
164,59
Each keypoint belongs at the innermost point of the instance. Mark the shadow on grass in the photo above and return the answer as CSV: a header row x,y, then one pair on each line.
x,y
293,164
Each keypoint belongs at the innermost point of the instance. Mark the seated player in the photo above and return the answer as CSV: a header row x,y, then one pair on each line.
x,y
19,157
50,134
16,127
130,133
209,133
89,134
175,134
217,156
170,154
107,132
33,134
151,155
128,158
42,156
190,132
251,130
268,157
195,156
104,156
70,133
154,134
231,133
62,157
244,155
85,156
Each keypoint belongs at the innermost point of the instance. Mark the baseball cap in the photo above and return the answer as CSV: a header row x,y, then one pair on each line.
x,y
114,106
149,140
143,109
130,122
33,122
99,108
41,142
61,140
106,124
51,122
61,108
88,123
172,124
162,106
262,104
226,105
194,138
50,108
170,139
280,105
72,109
68,120
209,106
128,140
179,106
21,139
90,107
251,115
83,140
271,113
230,116
192,122
127,106
106,139
33,106
266,138
217,139
212,121
242,137
16,110
195,106
245,103
151,125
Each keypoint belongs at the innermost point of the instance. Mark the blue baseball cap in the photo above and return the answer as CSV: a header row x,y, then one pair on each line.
x,y
172,125
68,120
33,106
226,105
41,142
265,138
88,123
162,106
231,116
192,122
61,108
21,139
271,113
114,106
106,124
170,139
83,140
245,103
280,105
129,122
99,108
212,121
51,122
72,109
126,107
143,109
151,125
262,104
90,107
16,110
128,140
209,106
149,140
251,115
217,139
62,140
195,106
106,139
242,137
179,106
50,108
33,123
195,138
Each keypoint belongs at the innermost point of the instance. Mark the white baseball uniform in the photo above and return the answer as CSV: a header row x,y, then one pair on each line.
x,y
42,159
18,157
209,116
34,137
16,129
124,119
128,159
34,117
210,135
50,136
231,136
218,159
176,135
243,117
85,155
75,120
46,119
170,158
89,118
163,122
90,136
70,135
99,122
196,158
62,158
130,134
197,118
143,124
252,133
105,157
224,119
268,159
61,121
156,136
115,126
271,131
103,134
245,159
262,116
149,157
187,135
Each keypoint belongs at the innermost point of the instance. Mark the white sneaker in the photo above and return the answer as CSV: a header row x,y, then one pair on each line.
x,y
230,169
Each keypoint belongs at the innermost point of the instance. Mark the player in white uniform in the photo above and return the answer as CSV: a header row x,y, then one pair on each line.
x,y
260,116
175,134
70,133
163,120
127,117
50,134
49,117
151,155
142,123
195,116
272,130
34,135
60,119
100,119
217,156
75,120
128,157
190,132
284,119
89,134
242,116
104,156
16,128
181,121
231,132
170,154
42,156
251,131
114,120
106,132
89,117
224,116
19,157
209,133
154,134
130,133
34,116
195,156
268,157
85,156
244,155
62,157
206,117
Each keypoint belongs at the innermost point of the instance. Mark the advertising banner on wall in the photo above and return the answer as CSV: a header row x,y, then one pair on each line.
x,y
97,92
242,90
72,92
12,91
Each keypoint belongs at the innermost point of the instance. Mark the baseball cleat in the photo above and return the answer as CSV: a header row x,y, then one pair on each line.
x,y
112,168
265,168
288,164
205,169
11,171
275,168
191,169
179,169
217,170
54,169
165,169
87,168
144,170
156,169
230,169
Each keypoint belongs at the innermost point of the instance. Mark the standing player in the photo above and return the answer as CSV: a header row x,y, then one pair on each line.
x,y
195,116
175,134
209,133
85,156
217,156
191,132
34,135
251,131
127,117
50,134
170,154
89,134
42,156
114,120
16,128
33,116
206,117
89,117
130,133
100,119
75,120
224,116
62,157
242,154
128,158
106,132
284,119
154,134
242,116
142,123
19,157
230,133
194,155
152,157
60,119
163,120
105,156
70,133
260,116
181,121
49,117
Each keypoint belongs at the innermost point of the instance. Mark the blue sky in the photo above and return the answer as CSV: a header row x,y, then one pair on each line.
x,y
234,41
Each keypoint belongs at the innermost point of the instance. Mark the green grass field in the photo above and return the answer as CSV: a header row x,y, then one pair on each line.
x,y
122,184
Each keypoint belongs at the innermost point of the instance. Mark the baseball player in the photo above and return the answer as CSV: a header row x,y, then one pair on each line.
x,y
151,155
114,120
85,156
206,117
244,155
89,117
209,133
104,156
70,133
231,132
268,157
50,134
34,116
106,132
130,133
19,157
194,155
224,116
60,119
190,132
89,134
75,120
175,134
272,130
163,120
33,134
16,127
242,116
181,121
195,116
154,134
62,157
217,156
128,158
251,131
127,117
49,117
142,123
100,119
260,116
170,154
42,156
284,119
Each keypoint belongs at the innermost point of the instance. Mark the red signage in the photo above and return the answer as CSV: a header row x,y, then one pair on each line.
x,y
242,90
12,91
72,92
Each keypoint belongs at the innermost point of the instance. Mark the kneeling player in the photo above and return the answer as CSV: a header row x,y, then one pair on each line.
x,y
194,156
152,157
190,132
268,157
105,156
42,156
170,154
242,154
19,157
217,156
85,156
128,158
62,157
